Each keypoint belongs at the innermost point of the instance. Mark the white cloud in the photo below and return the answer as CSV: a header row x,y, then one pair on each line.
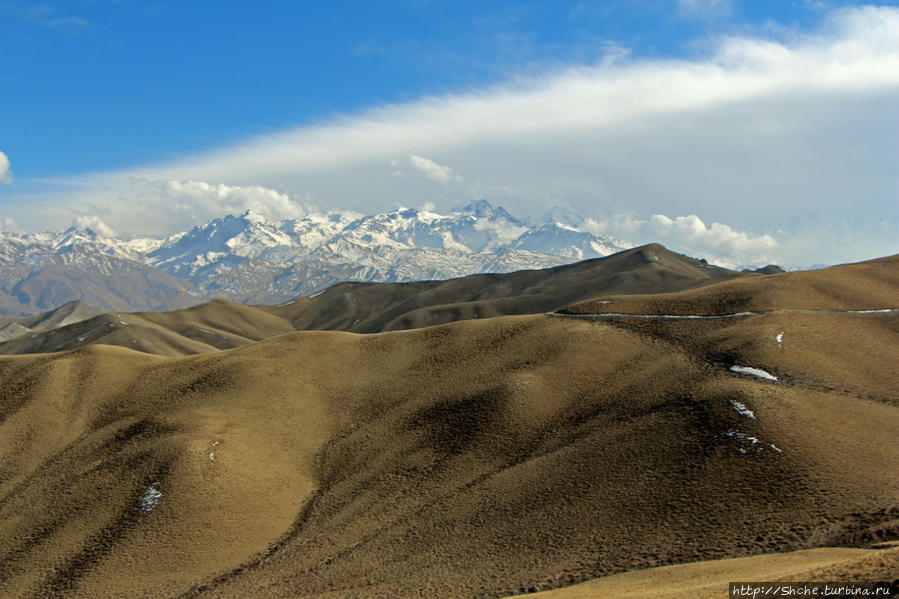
x,y
5,173
204,200
9,225
433,171
140,206
717,241
759,133
76,22
860,53
94,223
705,8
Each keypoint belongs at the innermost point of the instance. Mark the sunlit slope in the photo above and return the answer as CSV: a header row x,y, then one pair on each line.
x,y
835,329
376,307
71,312
481,458
869,285
216,325
711,579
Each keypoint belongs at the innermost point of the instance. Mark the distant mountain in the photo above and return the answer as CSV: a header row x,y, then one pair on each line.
x,y
247,258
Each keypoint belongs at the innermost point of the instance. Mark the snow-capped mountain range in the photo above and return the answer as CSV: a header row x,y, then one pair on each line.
x,y
250,259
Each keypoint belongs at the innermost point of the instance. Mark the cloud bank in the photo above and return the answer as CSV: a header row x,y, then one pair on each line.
x,y
727,246
771,136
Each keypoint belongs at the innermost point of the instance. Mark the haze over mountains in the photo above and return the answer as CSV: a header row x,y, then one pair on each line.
x,y
250,260
666,414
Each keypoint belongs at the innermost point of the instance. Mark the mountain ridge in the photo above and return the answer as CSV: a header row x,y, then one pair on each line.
x,y
249,259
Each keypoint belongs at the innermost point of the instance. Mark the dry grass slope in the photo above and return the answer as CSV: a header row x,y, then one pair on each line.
x,y
482,458
377,307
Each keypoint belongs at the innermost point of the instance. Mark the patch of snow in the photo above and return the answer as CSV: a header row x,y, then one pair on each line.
x,y
665,316
317,293
741,437
748,442
754,372
742,410
290,302
780,339
206,331
880,311
212,452
80,339
149,498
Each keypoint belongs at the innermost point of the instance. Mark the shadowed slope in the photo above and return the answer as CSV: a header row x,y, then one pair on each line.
x,y
481,458
368,308
375,307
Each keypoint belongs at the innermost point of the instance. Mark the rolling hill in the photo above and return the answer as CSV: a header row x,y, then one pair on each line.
x,y
377,307
486,457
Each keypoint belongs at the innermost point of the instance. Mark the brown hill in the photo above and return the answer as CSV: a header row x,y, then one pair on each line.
x,y
869,285
68,313
482,458
376,307
710,579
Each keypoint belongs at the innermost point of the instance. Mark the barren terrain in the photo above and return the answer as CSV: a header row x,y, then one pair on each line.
x,y
487,457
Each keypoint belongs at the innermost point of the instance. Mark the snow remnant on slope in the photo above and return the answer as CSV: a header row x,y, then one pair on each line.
x,y
149,499
754,372
742,410
780,339
749,443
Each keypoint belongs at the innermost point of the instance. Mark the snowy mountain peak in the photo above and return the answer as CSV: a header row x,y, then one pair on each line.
x,y
562,216
253,217
249,258
484,209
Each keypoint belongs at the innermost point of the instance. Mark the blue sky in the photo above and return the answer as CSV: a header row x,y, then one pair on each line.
x,y
99,84
104,104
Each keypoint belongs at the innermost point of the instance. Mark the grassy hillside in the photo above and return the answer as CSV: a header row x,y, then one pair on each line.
x,y
482,458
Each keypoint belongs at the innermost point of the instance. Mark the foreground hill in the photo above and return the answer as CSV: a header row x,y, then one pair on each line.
x,y
376,307
482,458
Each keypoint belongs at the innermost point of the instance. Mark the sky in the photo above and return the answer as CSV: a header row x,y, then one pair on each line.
x,y
754,132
